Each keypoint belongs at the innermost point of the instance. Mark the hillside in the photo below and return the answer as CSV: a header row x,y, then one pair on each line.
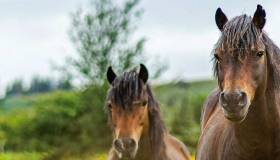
x,y
36,123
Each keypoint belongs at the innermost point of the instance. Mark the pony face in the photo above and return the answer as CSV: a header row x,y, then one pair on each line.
x,y
240,62
128,106
128,126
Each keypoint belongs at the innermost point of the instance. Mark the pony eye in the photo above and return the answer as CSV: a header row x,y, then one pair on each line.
x,y
260,54
109,106
217,57
144,103
114,125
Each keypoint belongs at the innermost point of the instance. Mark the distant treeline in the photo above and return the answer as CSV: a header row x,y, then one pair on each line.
x,y
37,85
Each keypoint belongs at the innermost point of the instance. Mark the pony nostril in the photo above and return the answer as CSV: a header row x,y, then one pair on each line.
x,y
242,99
132,143
118,145
129,143
230,99
223,99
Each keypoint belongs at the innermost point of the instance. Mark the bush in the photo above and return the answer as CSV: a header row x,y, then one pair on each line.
x,y
41,126
181,105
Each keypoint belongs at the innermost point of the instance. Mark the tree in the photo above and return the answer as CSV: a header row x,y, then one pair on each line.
x,y
102,36
40,85
15,88
64,84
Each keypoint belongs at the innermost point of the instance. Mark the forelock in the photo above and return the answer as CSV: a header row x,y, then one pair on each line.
x,y
239,34
126,89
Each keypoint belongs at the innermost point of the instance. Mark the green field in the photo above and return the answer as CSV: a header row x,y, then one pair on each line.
x,y
32,126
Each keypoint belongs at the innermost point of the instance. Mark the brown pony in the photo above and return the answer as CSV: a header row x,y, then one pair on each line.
x,y
134,115
240,119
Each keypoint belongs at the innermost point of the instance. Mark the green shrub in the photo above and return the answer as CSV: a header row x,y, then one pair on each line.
x,y
40,126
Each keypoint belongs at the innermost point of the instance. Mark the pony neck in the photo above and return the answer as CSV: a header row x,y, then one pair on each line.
x,y
254,132
148,148
145,150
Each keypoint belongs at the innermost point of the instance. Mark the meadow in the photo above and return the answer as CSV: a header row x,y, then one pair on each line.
x,y
33,126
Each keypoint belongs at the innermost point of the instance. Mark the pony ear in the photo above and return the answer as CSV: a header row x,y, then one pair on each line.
x,y
221,18
143,73
111,75
259,17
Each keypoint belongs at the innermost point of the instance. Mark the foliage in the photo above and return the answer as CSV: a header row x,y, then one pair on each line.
x,y
102,37
21,156
37,85
15,88
38,156
57,122
64,84
41,126
181,104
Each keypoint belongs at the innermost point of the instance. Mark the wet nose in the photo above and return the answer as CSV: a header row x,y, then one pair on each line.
x,y
125,144
233,100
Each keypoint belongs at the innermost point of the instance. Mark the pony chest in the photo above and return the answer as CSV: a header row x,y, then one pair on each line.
x,y
219,142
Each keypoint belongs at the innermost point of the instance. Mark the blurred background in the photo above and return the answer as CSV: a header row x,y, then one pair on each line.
x,y
54,56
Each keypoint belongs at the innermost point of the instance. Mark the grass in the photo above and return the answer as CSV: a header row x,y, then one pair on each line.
x,y
40,156
21,156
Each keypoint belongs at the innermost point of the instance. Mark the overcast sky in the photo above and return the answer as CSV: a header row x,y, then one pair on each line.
x,y
33,34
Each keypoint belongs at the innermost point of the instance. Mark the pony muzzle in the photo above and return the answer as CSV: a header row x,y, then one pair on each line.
x,y
125,147
235,105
